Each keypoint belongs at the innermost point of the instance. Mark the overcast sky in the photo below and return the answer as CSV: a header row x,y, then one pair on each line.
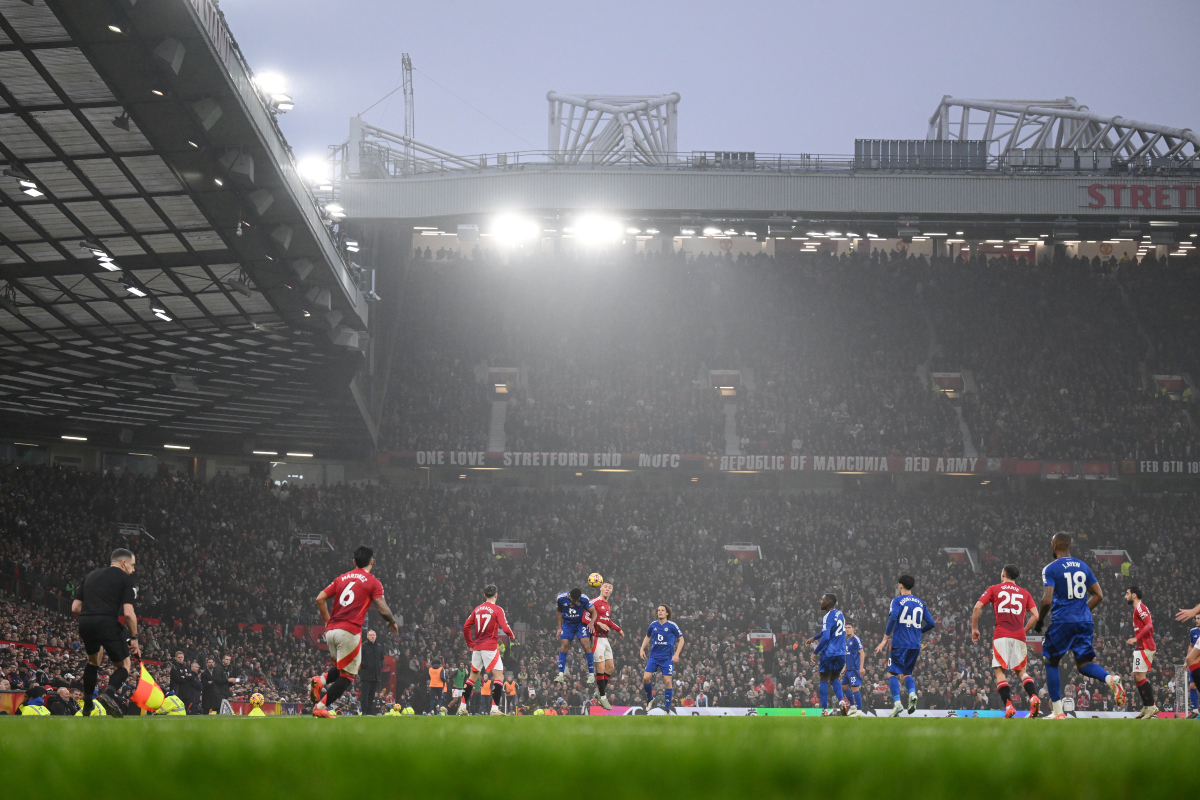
x,y
791,77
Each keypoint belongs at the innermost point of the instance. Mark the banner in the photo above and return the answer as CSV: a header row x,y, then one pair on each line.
x,y
956,554
241,708
1114,558
764,640
509,549
743,551
695,463
882,713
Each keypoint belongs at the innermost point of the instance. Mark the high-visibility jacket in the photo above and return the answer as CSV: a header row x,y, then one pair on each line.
x,y
35,711
173,707
97,711
510,688
392,713
435,678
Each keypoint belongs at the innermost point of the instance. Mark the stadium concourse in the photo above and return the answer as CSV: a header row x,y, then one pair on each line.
x,y
221,573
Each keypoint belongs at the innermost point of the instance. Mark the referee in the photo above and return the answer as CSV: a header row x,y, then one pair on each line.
x,y
105,594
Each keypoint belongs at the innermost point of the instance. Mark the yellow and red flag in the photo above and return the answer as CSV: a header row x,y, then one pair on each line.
x,y
148,696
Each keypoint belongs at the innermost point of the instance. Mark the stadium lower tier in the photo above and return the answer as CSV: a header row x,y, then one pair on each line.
x,y
226,573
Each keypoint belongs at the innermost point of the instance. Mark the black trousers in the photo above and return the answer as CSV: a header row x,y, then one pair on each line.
x,y
368,696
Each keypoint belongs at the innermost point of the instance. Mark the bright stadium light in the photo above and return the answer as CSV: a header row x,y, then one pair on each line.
x,y
598,230
314,170
515,229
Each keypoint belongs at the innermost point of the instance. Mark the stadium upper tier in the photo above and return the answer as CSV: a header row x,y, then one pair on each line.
x,y
811,354
165,276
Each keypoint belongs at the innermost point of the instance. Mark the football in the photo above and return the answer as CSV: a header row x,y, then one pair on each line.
x,y
257,700
595,580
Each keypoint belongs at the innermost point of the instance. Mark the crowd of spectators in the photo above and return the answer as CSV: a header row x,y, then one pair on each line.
x,y
225,575
834,352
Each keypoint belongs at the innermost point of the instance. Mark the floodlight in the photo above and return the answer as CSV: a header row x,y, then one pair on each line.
x,y
314,170
335,211
514,229
135,291
177,447
270,83
712,231
597,230
75,438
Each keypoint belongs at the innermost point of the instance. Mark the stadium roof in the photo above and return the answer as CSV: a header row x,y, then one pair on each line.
x,y
162,268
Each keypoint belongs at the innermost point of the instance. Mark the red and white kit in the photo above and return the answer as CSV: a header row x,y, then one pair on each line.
x,y
1011,603
482,632
352,594
602,612
1143,632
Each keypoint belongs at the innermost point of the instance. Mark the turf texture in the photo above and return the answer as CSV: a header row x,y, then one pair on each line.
x,y
617,757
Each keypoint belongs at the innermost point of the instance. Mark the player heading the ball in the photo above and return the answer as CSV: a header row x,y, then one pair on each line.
x,y
601,619
572,626
665,641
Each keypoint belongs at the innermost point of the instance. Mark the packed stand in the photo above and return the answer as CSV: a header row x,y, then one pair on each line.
x,y
224,560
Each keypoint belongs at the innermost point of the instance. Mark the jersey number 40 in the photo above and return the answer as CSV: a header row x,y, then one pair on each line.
x,y
913,617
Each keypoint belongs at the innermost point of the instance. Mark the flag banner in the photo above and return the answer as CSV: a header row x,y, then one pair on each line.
x,y
148,696
956,554
743,551
764,640
509,549
1113,558
709,711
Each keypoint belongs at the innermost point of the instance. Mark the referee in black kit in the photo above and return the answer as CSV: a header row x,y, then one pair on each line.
x,y
101,597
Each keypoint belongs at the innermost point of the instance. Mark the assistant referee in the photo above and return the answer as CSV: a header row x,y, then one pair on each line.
x,y
104,595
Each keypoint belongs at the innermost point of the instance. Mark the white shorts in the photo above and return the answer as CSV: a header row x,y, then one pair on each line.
x,y
603,651
456,692
1143,660
345,648
1009,654
486,660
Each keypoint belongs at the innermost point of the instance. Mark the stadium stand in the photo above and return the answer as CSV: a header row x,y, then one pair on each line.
x,y
225,573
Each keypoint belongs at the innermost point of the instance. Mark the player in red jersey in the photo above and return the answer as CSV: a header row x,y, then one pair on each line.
x,y
1009,649
354,592
1143,651
482,632
601,615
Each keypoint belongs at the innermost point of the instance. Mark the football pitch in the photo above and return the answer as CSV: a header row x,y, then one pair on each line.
x,y
617,757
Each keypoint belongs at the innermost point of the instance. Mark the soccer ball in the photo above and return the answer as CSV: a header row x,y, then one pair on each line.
x,y
595,580
408,711
257,700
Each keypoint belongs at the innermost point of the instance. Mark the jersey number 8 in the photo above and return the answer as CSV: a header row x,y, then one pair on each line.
x,y
1076,585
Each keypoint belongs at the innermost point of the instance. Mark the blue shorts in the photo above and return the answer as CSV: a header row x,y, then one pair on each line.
x,y
1075,637
660,663
834,664
851,680
901,661
574,630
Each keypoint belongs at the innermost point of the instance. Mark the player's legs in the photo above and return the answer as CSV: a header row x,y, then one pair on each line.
x,y
585,640
1192,662
497,691
345,648
1142,661
565,635
1085,661
648,687
1030,687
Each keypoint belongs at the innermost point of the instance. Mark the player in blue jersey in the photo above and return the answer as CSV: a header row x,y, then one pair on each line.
x,y
665,641
831,650
852,677
1193,694
909,618
1192,660
572,626
1071,593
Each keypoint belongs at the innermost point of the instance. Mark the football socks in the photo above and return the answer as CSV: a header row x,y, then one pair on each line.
x,y
591,662
562,663
116,681
894,684
910,683
1005,692
668,693
1054,686
823,693
1029,686
837,690
1146,691
649,692
91,676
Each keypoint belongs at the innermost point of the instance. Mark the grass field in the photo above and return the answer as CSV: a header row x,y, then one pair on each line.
x,y
617,757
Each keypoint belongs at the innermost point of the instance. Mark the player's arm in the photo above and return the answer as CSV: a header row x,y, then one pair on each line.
x,y
76,607
504,626
382,607
1095,595
559,613
466,630
930,622
1034,616
678,649
976,613
322,606
131,625
612,626
893,619
645,643
1183,616
591,617
1044,608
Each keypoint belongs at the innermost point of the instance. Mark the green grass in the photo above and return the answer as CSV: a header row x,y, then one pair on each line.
x,y
611,757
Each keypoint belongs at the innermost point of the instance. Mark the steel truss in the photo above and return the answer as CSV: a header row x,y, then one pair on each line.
x,y
1064,124
613,129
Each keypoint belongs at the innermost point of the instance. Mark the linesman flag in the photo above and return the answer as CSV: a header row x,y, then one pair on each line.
x,y
148,696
